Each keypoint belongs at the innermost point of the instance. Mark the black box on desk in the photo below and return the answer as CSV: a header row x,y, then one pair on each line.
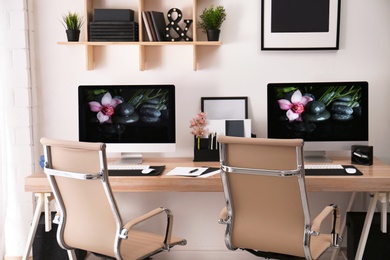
x,y
203,153
378,243
45,245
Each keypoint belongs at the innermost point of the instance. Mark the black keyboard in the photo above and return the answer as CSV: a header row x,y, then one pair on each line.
x,y
330,171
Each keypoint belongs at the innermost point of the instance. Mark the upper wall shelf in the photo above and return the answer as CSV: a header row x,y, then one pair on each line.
x,y
142,43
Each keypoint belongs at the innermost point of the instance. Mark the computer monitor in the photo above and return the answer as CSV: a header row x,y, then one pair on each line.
x,y
329,116
130,119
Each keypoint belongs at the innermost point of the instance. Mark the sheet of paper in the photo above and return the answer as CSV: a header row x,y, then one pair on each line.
x,y
187,171
205,175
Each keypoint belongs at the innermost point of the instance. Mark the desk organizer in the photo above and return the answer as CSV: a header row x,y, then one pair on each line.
x,y
205,154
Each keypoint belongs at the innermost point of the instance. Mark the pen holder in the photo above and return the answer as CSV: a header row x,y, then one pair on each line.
x,y
205,153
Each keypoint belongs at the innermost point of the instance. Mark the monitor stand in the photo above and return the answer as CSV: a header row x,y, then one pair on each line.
x,y
316,156
130,158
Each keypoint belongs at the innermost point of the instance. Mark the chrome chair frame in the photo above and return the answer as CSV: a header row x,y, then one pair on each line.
x,y
310,229
122,231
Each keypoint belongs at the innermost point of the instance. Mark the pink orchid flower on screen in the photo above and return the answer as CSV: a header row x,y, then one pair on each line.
x,y
106,109
296,107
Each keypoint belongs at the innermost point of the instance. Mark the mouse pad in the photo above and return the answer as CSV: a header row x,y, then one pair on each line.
x,y
158,170
332,172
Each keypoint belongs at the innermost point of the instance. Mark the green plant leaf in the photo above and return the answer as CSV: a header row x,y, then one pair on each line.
x,y
72,21
212,18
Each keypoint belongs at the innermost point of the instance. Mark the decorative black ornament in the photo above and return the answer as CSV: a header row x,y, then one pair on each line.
x,y
173,26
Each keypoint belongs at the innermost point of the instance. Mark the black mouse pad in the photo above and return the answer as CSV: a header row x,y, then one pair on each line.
x,y
158,170
332,172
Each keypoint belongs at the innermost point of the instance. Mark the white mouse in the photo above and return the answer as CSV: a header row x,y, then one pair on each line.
x,y
147,170
350,170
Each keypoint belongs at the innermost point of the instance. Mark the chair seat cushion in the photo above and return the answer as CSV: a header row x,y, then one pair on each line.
x,y
139,244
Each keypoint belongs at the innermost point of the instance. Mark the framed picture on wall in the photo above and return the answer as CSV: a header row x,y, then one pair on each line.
x,y
300,24
225,107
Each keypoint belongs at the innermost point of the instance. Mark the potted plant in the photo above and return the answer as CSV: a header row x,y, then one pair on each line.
x,y
211,20
72,23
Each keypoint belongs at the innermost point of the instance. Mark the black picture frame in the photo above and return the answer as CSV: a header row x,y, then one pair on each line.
x,y
225,107
284,24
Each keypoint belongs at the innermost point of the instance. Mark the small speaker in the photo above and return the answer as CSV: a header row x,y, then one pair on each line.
x,y
362,154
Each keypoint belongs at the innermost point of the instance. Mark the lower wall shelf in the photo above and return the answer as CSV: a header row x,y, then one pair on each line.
x,y
90,47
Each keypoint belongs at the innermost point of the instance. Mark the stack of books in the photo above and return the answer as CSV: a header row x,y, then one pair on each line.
x,y
113,25
155,25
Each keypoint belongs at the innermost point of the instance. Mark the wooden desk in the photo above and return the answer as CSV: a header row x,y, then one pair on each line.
x,y
375,179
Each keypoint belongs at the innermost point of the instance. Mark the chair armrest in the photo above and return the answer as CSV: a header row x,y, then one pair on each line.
x,y
316,224
223,216
150,214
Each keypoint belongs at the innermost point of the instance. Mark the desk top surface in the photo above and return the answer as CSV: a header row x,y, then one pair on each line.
x,y
375,178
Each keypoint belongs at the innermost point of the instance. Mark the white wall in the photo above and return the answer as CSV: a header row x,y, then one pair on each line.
x,y
237,68
17,123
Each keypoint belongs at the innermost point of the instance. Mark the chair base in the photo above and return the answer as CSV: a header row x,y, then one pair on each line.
x,y
271,255
104,257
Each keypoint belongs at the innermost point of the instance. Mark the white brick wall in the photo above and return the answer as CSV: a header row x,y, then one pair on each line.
x,y
15,68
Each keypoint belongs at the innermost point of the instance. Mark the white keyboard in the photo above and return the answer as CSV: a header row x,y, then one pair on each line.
x,y
127,166
324,166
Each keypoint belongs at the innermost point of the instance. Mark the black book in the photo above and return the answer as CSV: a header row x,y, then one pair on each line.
x,y
159,25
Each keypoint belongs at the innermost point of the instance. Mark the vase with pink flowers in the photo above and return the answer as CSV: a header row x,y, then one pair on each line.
x,y
197,124
205,147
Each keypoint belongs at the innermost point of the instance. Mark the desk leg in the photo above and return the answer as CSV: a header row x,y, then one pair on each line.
x,y
48,220
34,224
384,200
342,227
366,226
43,200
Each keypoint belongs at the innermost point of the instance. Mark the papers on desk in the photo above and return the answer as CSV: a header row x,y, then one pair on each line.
x,y
202,172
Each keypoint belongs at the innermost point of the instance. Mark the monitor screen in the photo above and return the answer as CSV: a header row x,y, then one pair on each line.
x,y
128,118
327,115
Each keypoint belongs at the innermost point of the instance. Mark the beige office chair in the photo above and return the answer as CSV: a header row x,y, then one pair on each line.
x,y
267,211
89,217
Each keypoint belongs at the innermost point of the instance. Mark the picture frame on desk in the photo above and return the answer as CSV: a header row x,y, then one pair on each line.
x,y
300,25
225,107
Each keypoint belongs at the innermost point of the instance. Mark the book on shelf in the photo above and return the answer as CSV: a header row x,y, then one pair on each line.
x,y
151,27
158,25
147,28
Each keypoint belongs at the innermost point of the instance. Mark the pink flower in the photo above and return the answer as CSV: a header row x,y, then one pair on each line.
x,y
296,107
197,124
106,109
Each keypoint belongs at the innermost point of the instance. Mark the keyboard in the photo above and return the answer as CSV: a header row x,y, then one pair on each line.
x,y
327,166
127,166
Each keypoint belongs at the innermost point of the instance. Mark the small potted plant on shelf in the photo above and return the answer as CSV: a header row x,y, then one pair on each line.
x,y
72,23
211,20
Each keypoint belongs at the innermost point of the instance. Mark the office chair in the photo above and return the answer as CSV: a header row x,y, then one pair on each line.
x,y
267,212
89,218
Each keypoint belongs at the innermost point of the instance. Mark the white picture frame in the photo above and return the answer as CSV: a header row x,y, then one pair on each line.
x,y
279,18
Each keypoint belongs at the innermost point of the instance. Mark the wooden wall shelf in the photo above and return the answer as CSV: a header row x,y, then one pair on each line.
x,y
89,45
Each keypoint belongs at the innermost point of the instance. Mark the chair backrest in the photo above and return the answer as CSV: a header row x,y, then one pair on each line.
x,y
89,217
265,193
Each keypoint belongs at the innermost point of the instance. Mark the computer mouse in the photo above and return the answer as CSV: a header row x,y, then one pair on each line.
x,y
147,171
350,170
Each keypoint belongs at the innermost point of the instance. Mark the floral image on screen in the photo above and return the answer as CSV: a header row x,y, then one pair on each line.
x,y
120,114
317,112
